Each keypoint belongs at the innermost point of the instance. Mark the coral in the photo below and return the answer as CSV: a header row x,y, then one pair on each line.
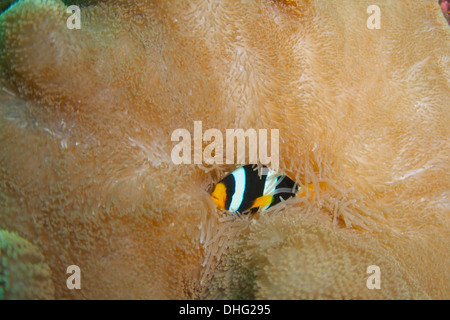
x,y
292,257
86,118
24,273
5,5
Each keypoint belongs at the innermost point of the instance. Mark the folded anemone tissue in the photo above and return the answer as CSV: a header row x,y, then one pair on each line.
x,y
93,205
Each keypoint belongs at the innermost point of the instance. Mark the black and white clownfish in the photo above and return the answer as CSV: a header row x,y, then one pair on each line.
x,y
252,188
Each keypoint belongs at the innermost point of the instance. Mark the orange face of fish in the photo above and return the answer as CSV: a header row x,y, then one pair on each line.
x,y
219,195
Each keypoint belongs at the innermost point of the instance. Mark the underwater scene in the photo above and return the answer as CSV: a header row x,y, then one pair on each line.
x,y
224,150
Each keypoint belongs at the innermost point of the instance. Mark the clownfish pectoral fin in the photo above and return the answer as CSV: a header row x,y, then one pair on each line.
x,y
262,202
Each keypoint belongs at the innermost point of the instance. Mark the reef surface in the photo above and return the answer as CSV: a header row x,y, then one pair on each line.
x,y
87,179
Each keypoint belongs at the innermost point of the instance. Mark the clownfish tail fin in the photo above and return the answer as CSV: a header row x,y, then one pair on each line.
x,y
310,187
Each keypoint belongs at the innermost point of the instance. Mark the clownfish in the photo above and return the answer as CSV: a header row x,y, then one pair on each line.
x,y
252,188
